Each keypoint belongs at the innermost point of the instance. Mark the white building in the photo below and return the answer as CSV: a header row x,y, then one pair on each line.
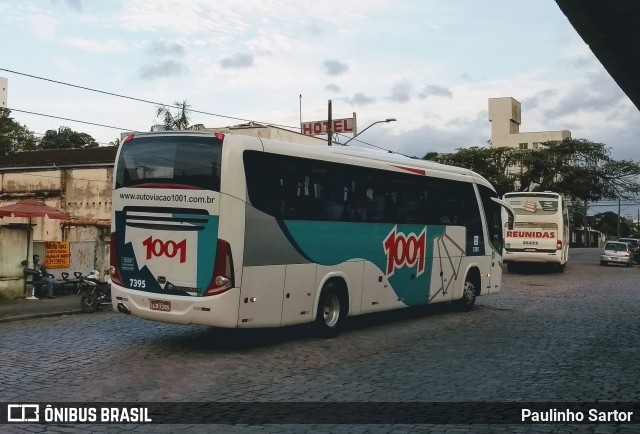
x,y
505,118
4,83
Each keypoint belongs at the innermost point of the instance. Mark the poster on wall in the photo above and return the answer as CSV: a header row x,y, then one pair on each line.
x,y
57,254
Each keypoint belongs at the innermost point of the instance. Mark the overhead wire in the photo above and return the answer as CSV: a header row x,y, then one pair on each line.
x,y
149,102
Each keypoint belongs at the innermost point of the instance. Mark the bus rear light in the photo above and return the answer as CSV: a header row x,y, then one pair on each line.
x,y
113,259
128,138
558,245
223,278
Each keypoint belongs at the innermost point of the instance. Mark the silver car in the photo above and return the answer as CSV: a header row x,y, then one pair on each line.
x,y
616,252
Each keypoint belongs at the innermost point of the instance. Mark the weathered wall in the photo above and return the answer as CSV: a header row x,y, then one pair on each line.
x,y
11,275
88,193
85,193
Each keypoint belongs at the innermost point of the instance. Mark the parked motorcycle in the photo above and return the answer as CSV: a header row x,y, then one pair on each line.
x,y
94,292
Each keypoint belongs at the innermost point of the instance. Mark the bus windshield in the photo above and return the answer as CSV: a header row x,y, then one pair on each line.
x,y
169,161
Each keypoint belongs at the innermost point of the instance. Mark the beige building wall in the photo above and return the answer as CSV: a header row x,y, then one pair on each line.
x,y
505,116
264,132
11,277
85,193
4,90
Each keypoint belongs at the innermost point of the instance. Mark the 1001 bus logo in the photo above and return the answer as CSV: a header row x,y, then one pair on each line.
x,y
169,249
405,250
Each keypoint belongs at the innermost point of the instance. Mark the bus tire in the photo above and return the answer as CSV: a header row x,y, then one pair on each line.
x,y
465,304
332,309
560,267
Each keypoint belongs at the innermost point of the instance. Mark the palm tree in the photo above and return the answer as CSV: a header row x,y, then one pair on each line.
x,y
179,120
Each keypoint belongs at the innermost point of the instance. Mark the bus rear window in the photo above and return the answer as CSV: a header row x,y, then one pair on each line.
x,y
171,160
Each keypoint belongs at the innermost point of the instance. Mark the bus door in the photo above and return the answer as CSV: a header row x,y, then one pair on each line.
x,y
448,251
495,237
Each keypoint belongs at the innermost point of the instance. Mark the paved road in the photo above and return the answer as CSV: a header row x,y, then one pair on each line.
x,y
569,337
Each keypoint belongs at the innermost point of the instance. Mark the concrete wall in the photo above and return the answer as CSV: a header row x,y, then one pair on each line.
x,y
85,193
273,133
4,88
13,250
505,116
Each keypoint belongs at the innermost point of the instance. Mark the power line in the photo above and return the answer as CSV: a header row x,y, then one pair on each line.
x,y
133,98
71,120
150,102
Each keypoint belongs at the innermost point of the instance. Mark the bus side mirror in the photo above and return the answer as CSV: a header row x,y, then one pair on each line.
x,y
510,213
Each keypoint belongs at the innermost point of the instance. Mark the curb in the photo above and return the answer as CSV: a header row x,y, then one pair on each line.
x,y
38,315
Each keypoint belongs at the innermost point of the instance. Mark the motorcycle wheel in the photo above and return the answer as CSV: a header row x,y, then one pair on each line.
x,y
88,305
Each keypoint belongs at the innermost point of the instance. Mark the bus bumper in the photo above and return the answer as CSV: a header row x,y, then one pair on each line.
x,y
540,258
217,311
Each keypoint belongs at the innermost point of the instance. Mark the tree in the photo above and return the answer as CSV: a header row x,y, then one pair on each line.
x,y
178,120
13,136
577,168
492,163
607,223
66,138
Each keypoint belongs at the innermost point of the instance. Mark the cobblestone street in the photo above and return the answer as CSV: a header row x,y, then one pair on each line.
x,y
549,337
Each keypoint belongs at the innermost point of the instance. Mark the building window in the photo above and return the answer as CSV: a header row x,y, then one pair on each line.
x,y
524,145
535,145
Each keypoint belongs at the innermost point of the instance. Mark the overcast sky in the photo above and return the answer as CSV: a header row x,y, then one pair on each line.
x,y
431,64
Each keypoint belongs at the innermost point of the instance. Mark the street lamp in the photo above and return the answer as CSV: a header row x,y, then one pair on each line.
x,y
377,122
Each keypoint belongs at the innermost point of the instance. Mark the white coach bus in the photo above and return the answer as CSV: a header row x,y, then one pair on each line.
x,y
540,231
236,231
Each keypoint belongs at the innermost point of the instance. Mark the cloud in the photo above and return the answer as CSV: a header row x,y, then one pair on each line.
x,y
333,88
237,61
109,46
165,68
44,27
360,99
401,92
74,4
314,29
434,90
164,48
333,67
600,93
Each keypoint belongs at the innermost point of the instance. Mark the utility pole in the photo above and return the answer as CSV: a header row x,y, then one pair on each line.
x,y
329,126
587,238
618,217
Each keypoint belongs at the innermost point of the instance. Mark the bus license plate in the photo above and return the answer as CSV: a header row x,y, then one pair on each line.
x,y
162,305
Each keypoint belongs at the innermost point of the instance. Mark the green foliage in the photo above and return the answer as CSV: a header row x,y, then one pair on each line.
x,y
13,136
178,120
607,223
577,168
66,138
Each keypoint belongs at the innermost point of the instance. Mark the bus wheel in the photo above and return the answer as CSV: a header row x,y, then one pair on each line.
x,y
331,311
560,267
465,304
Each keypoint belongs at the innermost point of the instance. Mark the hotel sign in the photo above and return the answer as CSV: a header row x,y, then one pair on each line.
x,y
317,128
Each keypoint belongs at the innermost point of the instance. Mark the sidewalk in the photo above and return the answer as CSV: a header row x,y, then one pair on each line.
x,y
19,309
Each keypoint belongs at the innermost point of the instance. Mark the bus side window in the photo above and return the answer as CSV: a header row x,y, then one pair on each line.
x,y
375,207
